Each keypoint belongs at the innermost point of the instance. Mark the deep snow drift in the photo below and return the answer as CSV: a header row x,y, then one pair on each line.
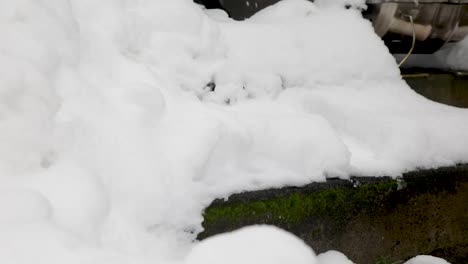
x,y
121,120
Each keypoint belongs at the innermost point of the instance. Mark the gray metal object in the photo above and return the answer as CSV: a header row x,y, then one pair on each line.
x,y
434,20
434,23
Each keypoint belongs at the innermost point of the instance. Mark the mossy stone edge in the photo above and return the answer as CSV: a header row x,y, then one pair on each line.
x,y
366,218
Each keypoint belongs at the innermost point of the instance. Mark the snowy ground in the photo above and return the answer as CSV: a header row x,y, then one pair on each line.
x,y
113,137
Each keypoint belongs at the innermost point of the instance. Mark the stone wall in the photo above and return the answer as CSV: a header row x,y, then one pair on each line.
x,y
371,220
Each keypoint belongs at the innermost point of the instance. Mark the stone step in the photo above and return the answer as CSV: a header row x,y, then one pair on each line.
x,y
369,219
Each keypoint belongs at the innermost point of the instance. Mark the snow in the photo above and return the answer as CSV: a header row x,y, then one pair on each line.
x,y
332,257
426,260
113,140
456,55
250,245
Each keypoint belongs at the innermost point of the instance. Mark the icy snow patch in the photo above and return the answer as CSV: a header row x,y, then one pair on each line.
x,y
456,56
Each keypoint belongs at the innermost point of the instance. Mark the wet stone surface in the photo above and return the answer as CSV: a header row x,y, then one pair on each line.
x,y
449,88
368,219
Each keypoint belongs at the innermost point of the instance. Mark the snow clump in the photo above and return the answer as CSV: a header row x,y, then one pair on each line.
x,y
423,259
251,245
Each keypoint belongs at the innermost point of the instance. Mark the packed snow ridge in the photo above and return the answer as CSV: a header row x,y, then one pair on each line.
x,y
121,120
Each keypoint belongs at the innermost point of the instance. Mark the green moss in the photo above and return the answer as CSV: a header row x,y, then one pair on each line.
x,y
338,204
388,260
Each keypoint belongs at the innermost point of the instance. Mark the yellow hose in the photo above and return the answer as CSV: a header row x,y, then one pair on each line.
x,y
412,45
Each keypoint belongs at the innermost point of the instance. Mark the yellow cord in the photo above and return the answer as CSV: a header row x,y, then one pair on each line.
x,y
412,45
415,75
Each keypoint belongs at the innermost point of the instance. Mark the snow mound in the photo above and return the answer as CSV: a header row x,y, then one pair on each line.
x,y
333,257
121,120
251,245
426,260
